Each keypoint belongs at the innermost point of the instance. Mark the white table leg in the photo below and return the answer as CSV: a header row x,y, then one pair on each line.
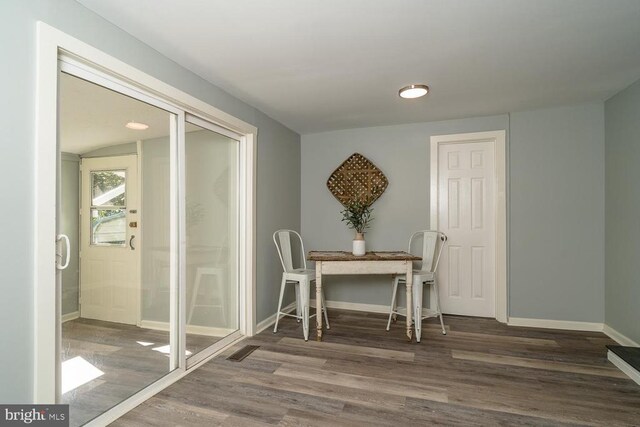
x,y
319,300
409,283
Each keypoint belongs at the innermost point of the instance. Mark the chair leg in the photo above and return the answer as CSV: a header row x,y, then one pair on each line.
x,y
324,310
305,322
304,300
298,303
282,286
392,307
222,288
194,296
437,295
417,311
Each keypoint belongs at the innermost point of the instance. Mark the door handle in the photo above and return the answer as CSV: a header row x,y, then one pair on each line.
x,y
131,242
67,250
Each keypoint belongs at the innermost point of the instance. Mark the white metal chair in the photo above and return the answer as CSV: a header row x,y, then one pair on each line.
x,y
217,288
300,277
432,244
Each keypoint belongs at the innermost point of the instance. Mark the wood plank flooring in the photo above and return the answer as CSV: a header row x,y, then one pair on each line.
x,y
115,349
481,373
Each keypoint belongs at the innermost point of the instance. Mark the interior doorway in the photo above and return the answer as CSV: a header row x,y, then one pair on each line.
x,y
468,204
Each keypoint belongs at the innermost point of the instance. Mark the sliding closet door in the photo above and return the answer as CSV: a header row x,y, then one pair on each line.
x,y
211,216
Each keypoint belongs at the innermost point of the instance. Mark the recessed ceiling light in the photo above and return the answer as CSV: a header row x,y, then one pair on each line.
x,y
136,126
413,91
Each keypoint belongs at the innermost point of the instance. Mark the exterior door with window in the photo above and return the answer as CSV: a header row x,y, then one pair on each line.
x,y
109,252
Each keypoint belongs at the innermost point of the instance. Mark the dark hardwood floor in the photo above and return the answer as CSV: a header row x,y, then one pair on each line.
x,y
126,356
481,373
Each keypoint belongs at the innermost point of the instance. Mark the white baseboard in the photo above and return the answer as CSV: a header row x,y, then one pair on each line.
x,y
272,319
624,367
354,306
70,316
513,321
619,338
556,324
191,329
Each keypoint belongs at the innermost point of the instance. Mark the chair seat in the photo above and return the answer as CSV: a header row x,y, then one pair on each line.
x,y
300,273
420,276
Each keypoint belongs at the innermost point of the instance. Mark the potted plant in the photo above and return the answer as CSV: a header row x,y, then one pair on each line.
x,y
357,215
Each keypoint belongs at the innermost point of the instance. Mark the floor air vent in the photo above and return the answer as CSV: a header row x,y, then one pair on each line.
x,y
243,352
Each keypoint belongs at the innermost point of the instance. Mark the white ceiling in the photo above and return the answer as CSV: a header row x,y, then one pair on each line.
x,y
92,117
335,64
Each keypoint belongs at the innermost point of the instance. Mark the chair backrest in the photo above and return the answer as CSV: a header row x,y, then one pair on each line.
x,y
283,240
432,244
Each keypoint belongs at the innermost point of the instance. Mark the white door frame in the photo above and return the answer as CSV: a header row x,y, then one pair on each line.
x,y
498,139
52,45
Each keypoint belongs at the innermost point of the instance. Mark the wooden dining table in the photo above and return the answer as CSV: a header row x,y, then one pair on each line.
x,y
371,263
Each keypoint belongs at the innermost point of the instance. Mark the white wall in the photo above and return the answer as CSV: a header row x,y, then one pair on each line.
x,y
555,206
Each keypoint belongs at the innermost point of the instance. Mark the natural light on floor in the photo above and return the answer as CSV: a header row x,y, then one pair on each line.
x,y
144,343
165,349
76,372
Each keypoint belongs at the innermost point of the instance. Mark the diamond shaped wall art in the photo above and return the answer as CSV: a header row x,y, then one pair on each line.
x,y
357,178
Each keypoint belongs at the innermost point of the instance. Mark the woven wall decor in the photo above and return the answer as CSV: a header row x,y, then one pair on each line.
x,y
357,179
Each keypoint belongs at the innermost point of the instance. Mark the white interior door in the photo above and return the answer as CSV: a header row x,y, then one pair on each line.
x,y
466,214
109,258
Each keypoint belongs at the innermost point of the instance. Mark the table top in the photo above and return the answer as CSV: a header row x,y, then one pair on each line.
x,y
369,256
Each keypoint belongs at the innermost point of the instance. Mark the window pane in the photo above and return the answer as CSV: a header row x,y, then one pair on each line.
x,y
108,188
108,227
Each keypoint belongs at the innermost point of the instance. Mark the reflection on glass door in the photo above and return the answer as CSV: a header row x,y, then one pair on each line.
x,y
121,206
212,236
115,337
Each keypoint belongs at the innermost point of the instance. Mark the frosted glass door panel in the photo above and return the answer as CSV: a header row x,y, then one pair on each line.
x,y
212,236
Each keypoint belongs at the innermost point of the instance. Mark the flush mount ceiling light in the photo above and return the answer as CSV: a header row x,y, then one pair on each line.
x,y
136,126
413,91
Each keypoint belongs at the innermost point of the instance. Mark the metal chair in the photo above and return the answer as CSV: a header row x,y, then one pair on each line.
x,y
432,245
300,277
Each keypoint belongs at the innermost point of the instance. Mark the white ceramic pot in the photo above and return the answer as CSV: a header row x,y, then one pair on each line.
x,y
359,245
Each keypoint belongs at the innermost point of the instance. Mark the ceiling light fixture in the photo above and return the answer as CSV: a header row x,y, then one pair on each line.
x,y
413,91
136,126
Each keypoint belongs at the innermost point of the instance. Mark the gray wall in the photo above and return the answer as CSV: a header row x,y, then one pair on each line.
x,y
622,148
277,175
557,213
278,184
556,205
70,192
402,153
